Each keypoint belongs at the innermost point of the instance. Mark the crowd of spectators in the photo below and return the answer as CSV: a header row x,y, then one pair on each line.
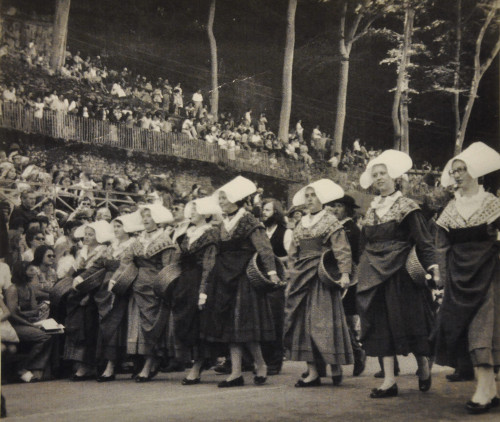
x,y
87,88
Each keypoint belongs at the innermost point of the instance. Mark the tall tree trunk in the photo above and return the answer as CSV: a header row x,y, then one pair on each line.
x,y
456,75
405,127
408,27
286,101
345,50
338,135
214,99
59,33
476,78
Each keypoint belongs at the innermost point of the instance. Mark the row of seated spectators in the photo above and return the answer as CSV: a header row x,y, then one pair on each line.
x,y
87,88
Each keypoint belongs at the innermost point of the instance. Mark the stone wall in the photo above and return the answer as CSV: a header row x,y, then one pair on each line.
x,y
100,160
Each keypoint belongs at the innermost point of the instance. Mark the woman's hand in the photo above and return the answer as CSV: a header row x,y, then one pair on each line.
x,y
202,300
275,279
436,277
344,281
76,281
111,284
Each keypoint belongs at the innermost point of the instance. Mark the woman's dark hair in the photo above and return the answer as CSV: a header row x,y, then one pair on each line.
x,y
40,254
31,234
19,276
70,225
242,202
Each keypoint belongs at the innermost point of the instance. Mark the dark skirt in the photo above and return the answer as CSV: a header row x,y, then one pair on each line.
x,y
315,325
396,317
245,317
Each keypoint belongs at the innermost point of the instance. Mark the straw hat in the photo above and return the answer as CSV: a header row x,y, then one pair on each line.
x,y
103,231
326,190
124,277
163,283
479,158
237,189
204,206
397,163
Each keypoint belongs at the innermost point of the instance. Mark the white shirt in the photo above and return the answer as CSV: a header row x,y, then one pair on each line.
x,y
197,98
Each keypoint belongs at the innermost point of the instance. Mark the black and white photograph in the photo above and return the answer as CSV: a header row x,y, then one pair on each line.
x,y
250,210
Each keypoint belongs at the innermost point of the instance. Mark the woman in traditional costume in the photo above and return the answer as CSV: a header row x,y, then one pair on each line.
x,y
111,308
150,252
344,209
236,313
396,316
316,330
198,253
469,317
81,310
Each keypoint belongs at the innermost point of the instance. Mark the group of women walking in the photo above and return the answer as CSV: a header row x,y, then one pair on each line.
x,y
206,285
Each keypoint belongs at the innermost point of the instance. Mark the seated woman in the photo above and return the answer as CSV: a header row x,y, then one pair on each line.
x,y
21,302
316,330
81,310
34,239
46,277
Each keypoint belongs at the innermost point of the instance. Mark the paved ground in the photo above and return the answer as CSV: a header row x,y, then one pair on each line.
x,y
164,399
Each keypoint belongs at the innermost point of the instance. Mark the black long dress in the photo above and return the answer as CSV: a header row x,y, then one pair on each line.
x,y
396,313
196,261
235,311
469,317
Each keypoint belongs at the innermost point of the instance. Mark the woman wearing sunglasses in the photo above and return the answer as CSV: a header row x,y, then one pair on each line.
x,y
468,320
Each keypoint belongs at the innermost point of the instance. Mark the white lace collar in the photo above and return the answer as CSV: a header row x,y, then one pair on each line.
x,y
310,220
231,224
193,233
382,204
468,205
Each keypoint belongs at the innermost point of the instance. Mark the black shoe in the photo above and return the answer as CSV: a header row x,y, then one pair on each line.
x,y
377,393
102,378
223,368
187,381
425,385
359,365
141,379
85,377
237,382
379,374
457,377
337,380
273,371
495,402
259,380
314,383
476,409
304,374
175,366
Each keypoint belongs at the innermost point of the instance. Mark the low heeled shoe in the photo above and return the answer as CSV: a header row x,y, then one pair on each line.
x,y
425,385
187,381
259,380
377,393
237,382
314,383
